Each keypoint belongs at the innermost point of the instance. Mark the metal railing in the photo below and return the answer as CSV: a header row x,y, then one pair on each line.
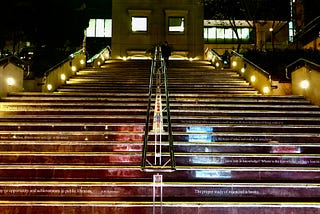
x,y
16,61
100,57
258,68
59,73
70,57
158,72
300,63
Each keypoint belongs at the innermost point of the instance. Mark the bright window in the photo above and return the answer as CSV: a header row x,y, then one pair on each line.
x,y
139,24
99,28
176,24
227,35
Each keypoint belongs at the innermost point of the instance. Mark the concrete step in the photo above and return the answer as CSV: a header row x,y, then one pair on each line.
x,y
128,158
81,147
171,191
43,172
284,137
184,147
125,207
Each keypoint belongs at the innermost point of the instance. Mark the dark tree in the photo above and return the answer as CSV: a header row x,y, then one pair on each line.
x,y
44,23
251,11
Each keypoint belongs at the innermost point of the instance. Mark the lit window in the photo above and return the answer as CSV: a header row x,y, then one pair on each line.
x,y
92,28
139,24
245,33
176,24
107,28
212,32
99,28
220,33
228,33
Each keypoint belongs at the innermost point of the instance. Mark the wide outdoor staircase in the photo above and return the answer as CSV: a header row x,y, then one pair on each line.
x,y
79,149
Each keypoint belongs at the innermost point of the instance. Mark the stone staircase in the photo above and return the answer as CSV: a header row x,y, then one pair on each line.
x,y
78,150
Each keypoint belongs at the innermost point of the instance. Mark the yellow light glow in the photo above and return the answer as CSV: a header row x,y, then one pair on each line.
x,y
190,59
252,78
266,90
243,70
304,84
63,77
49,87
234,63
99,63
74,68
10,81
82,62
217,64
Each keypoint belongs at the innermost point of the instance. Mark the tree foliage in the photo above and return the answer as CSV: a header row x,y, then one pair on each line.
x,y
44,23
247,9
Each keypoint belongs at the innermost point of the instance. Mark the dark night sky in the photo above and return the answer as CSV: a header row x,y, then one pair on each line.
x,y
51,21
55,21
248,9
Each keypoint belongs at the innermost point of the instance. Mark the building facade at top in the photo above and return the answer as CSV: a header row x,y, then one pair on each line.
x,y
139,25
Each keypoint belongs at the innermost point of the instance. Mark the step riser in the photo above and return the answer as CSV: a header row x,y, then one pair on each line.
x,y
144,192
94,146
181,160
91,173
247,147
132,208
83,136
140,128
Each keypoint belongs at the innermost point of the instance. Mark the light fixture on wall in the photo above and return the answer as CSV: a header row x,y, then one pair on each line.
x,y
49,87
304,84
63,77
252,78
266,90
10,81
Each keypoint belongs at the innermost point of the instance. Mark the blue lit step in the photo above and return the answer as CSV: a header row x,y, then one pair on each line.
x,y
248,137
249,128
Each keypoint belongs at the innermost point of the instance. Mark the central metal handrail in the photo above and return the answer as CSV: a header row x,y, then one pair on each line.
x,y
158,71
